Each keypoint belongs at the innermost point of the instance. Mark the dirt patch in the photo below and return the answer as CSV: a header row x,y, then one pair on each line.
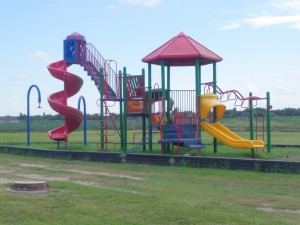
x,y
93,184
4,181
41,177
84,172
33,165
85,183
270,209
105,174
6,171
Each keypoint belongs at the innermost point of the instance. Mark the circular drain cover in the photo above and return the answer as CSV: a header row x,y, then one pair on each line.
x,y
29,187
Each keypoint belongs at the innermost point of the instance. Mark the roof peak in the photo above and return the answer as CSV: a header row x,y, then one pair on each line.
x,y
76,36
182,50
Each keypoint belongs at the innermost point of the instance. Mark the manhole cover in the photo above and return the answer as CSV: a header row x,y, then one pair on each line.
x,y
29,187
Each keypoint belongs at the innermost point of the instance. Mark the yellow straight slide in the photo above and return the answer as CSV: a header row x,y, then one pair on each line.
x,y
230,138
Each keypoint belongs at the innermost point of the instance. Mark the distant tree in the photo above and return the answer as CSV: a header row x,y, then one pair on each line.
x,y
22,117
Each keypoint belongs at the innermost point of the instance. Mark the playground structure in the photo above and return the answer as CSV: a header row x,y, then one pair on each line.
x,y
178,116
58,101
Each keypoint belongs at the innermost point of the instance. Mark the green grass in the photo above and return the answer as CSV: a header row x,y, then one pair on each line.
x,y
284,131
41,140
95,193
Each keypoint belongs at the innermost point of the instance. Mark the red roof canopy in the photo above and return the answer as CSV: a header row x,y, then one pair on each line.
x,y
76,36
182,50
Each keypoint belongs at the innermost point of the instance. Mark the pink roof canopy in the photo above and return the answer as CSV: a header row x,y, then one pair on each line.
x,y
76,36
182,50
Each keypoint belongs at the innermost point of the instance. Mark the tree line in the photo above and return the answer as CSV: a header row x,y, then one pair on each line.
x,y
230,113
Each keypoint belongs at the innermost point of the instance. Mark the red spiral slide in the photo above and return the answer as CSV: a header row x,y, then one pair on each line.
x,y
58,100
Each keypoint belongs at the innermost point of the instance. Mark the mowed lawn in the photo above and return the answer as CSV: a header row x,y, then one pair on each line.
x,y
41,140
103,193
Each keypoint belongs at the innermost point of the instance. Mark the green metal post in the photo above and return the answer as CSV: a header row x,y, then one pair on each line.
x,y
268,123
125,110
215,109
163,85
144,133
144,118
101,91
198,92
251,122
168,93
163,95
149,107
121,113
198,98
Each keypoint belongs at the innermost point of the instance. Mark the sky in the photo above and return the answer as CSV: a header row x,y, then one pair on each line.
x,y
258,41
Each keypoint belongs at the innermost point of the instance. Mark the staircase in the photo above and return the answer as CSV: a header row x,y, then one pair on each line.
x,y
107,81
138,145
92,61
182,135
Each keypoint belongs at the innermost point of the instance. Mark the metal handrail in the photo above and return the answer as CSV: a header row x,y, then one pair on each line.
x,y
237,96
86,54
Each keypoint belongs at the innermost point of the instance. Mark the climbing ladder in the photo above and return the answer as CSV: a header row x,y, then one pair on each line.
x,y
107,129
138,145
232,95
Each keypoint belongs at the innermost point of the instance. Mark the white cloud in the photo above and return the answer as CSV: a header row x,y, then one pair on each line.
x,y
141,2
40,56
286,13
291,5
264,21
230,26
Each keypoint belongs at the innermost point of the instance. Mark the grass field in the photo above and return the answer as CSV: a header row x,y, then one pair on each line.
x,y
284,131
41,140
102,193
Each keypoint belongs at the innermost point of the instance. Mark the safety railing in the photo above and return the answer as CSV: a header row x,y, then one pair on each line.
x,y
89,57
231,95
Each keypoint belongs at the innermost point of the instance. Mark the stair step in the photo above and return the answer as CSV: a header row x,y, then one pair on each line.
x,y
193,143
194,146
187,131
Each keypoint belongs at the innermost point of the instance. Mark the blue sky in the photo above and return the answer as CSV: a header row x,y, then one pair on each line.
x,y
258,41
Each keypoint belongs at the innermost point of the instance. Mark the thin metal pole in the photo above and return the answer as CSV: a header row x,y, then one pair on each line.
x,y
149,106
125,110
215,109
168,100
163,95
268,122
121,110
251,122
28,112
144,117
168,94
84,117
101,90
198,98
